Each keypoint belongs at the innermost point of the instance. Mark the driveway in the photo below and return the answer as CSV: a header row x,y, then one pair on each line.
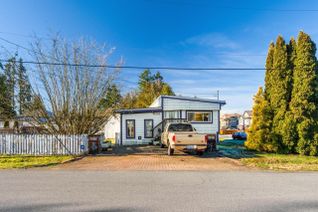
x,y
44,190
151,158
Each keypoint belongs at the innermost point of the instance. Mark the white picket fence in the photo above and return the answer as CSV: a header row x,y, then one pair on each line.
x,y
38,144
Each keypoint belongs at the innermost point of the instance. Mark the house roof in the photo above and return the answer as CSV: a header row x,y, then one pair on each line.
x,y
248,112
159,109
222,102
140,110
230,115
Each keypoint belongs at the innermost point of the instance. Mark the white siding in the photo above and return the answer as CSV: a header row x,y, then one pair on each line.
x,y
184,105
210,127
139,126
112,127
178,104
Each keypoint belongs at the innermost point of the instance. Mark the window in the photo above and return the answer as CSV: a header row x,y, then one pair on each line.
x,y
197,116
130,128
148,128
174,114
180,128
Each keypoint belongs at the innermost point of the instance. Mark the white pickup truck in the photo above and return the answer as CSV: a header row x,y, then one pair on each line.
x,y
184,137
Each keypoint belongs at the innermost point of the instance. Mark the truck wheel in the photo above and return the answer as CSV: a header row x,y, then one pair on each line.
x,y
170,150
199,153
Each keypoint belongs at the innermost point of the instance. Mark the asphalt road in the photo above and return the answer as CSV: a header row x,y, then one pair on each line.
x,y
47,190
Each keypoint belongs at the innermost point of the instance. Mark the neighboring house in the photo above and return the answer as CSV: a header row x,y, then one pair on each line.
x,y
245,120
20,124
142,125
112,129
230,121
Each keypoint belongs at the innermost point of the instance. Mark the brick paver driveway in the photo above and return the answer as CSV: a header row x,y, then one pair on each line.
x,y
151,158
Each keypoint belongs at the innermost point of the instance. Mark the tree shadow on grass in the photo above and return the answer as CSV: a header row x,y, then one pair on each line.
x,y
234,149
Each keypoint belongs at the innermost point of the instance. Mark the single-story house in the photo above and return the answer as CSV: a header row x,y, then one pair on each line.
x,y
143,125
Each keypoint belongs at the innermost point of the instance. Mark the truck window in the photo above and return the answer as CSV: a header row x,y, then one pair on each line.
x,y
180,128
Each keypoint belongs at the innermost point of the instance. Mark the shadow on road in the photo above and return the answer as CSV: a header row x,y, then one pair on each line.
x,y
63,207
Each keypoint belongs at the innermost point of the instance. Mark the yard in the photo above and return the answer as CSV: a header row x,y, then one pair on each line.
x,y
236,150
231,155
23,161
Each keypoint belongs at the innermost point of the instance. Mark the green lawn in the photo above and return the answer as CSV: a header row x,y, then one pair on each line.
x,y
23,161
282,162
236,150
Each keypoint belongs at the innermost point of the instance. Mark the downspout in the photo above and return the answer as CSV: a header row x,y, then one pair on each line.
x,y
162,113
219,126
121,129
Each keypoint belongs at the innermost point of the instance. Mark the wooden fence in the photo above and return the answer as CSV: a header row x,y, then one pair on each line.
x,y
38,144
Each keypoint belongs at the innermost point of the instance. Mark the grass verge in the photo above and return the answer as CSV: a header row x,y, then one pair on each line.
x,y
282,162
25,161
235,149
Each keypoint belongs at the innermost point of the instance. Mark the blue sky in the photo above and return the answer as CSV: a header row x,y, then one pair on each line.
x,y
172,33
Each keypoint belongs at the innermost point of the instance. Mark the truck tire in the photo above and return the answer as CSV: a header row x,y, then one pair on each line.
x,y
170,150
199,153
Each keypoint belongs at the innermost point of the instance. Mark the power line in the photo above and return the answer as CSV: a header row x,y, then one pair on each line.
x,y
144,67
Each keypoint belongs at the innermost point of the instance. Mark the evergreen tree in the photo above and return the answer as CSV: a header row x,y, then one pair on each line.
x,y
279,93
304,95
292,55
24,95
145,78
6,111
269,67
113,98
150,87
289,131
259,135
10,74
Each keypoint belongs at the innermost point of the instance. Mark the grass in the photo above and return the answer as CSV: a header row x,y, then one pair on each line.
x,y
25,161
235,149
282,162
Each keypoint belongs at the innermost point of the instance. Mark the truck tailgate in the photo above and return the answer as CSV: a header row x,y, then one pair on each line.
x,y
189,138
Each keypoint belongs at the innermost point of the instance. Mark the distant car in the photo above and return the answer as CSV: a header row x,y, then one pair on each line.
x,y
239,136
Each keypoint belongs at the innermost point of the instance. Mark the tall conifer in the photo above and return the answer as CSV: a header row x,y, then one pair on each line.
x,y
279,93
289,130
259,136
269,66
304,100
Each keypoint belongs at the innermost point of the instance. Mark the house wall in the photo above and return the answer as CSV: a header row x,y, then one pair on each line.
x,y
112,128
187,105
139,126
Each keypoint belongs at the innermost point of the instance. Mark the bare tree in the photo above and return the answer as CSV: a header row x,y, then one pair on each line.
x,y
72,80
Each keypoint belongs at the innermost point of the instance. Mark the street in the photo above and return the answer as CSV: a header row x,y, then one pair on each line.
x,y
74,190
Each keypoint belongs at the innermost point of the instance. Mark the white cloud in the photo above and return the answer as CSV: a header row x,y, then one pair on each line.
x,y
215,40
